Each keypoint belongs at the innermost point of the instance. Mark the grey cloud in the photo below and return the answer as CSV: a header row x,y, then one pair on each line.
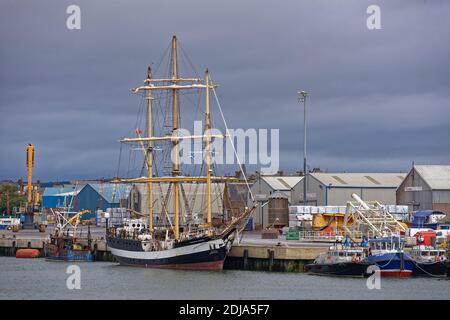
x,y
379,99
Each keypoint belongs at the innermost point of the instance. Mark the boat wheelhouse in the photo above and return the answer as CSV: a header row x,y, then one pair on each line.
x,y
387,253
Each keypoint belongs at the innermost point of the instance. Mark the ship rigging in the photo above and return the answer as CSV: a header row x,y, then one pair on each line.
x,y
195,245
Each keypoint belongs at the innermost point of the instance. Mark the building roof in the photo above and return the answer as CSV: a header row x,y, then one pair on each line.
x,y
282,182
364,180
58,192
436,176
112,192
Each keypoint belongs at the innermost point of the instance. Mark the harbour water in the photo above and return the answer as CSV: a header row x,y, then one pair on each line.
x,y
39,279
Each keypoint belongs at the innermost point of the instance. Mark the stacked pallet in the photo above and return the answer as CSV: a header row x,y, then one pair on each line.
x,y
316,209
116,217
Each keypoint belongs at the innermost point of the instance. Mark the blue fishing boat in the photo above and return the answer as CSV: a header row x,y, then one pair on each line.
x,y
67,249
64,244
387,253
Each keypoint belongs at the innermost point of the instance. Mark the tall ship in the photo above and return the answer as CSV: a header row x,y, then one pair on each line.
x,y
172,232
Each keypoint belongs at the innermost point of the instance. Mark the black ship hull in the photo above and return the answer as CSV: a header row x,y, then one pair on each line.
x,y
433,269
197,254
194,261
349,269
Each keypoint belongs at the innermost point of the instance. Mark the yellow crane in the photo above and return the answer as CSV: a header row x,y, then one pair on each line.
x,y
75,220
33,197
30,164
29,208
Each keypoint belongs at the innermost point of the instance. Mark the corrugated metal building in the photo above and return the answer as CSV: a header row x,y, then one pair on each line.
x,y
57,197
101,196
335,189
265,186
192,201
426,187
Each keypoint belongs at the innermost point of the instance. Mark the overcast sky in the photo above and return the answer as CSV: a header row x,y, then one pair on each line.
x,y
380,99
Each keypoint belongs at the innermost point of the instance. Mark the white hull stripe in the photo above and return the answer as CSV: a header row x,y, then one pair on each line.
x,y
163,254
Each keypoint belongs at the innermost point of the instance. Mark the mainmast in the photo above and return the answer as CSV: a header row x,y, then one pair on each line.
x,y
175,155
207,149
150,151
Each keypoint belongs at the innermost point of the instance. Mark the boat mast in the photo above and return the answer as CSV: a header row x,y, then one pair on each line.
x,y
150,151
175,159
207,149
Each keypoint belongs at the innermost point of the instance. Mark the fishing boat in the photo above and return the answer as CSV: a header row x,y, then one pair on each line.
x,y
387,253
179,238
68,249
341,260
429,261
64,244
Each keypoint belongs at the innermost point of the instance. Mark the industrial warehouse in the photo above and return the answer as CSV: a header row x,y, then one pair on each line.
x,y
426,187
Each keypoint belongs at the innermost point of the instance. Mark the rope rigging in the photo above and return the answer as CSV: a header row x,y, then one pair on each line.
x,y
162,120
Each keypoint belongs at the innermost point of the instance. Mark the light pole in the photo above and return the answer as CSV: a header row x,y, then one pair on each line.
x,y
302,98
